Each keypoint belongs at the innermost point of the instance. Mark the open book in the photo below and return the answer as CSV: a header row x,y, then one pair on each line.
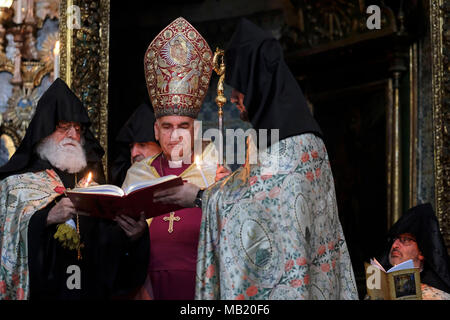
x,y
107,201
401,282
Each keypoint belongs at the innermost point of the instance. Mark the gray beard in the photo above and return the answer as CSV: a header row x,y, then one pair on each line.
x,y
66,158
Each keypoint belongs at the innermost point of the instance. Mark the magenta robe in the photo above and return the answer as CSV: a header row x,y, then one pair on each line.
x,y
173,256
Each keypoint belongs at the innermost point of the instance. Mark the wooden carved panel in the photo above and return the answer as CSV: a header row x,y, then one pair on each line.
x,y
84,32
440,41
323,24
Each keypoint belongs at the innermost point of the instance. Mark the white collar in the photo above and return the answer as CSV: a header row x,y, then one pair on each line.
x,y
175,164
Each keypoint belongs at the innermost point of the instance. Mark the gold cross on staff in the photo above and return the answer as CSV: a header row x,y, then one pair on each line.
x,y
171,219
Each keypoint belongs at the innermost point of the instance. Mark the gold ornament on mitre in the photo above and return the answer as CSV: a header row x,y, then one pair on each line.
x,y
178,65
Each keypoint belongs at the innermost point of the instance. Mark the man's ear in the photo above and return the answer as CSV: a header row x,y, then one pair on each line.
x,y
241,98
421,257
156,129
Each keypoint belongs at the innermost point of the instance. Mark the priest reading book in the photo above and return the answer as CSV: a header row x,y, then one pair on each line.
x,y
107,201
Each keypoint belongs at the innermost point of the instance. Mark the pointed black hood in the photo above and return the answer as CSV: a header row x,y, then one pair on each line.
x,y
138,128
255,66
423,224
56,104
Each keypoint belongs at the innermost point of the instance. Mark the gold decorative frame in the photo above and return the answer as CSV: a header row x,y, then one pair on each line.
x,y
85,61
440,46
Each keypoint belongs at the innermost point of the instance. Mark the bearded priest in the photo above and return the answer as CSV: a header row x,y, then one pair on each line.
x,y
48,250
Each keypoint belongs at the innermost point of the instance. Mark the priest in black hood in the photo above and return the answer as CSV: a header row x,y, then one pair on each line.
x,y
271,229
47,250
416,236
136,141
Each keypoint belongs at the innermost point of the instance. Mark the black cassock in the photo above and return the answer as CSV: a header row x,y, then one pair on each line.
x,y
111,266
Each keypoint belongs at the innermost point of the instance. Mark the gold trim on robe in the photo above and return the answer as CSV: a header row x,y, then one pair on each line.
x,y
143,170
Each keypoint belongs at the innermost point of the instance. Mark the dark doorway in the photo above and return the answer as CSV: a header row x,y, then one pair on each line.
x,y
353,121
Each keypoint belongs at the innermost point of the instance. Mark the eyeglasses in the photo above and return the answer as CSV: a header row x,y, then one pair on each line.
x,y
66,126
405,240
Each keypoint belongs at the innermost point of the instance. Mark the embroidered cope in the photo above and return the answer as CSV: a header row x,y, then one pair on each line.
x,y
275,236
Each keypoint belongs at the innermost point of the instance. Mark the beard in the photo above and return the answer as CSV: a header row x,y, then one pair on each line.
x,y
70,158
137,158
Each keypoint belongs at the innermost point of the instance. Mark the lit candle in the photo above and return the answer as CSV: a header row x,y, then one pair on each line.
x,y
88,179
18,12
56,61
199,167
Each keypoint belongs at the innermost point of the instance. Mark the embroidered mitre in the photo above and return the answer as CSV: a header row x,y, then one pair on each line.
x,y
178,66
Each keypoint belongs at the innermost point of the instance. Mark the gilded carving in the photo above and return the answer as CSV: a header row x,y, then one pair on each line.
x,y
322,23
84,60
25,61
439,17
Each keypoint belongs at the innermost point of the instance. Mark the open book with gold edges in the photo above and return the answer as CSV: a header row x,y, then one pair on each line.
x,y
107,201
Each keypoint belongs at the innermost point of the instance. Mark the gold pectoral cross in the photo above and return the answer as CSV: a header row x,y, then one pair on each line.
x,y
171,219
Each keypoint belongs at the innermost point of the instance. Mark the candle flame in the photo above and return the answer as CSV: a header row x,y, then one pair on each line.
x,y
89,178
56,49
197,161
